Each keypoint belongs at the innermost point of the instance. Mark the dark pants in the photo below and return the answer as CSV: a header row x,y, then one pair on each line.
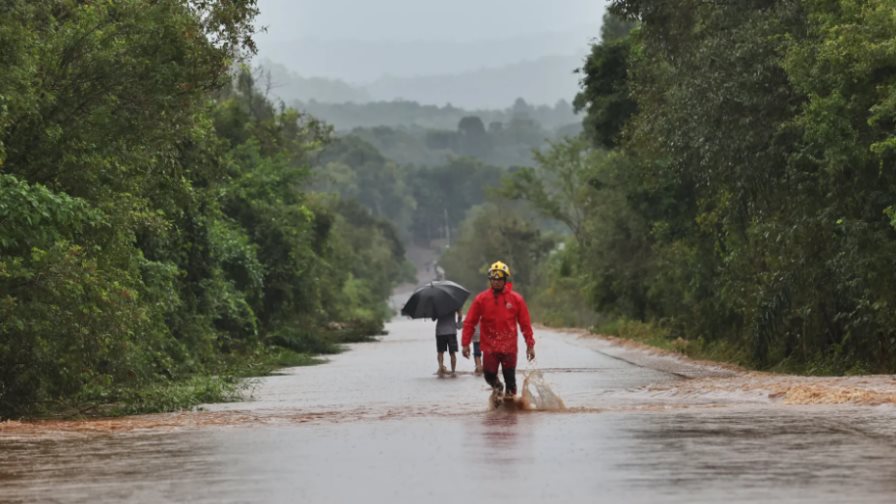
x,y
446,342
507,361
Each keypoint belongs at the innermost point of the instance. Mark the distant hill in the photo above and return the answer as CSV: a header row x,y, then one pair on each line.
x,y
410,114
362,59
545,80
541,81
290,86
395,116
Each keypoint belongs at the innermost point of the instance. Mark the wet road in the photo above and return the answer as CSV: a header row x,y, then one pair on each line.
x,y
376,425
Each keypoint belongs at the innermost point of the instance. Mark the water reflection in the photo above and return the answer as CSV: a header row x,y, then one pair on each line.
x,y
499,435
97,468
375,425
766,454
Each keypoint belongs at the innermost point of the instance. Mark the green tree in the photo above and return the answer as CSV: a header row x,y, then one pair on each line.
x,y
474,141
155,224
445,193
559,186
606,96
101,122
496,231
758,152
385,189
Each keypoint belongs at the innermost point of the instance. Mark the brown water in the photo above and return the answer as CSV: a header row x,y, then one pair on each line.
x,y
377,425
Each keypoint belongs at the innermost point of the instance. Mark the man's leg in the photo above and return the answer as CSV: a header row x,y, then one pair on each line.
x,y
452,350
510,380
490,370
441,347
508,369
477,357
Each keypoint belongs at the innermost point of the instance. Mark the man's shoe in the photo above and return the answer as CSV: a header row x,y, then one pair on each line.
x,y
498,390
497,396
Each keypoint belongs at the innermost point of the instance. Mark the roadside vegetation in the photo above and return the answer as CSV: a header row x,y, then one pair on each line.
x,y
166,229
734,194
731,194
158,237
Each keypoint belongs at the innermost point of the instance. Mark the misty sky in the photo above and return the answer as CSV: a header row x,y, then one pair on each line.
x,y
361,41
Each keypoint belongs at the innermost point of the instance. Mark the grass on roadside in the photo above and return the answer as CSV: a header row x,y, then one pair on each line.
x,y
226,385
833,364
225,381
655,336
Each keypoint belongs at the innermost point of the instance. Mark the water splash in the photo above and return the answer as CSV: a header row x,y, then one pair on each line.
x,y
538,395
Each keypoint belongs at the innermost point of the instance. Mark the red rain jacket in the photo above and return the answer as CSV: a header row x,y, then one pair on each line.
x,y
498,315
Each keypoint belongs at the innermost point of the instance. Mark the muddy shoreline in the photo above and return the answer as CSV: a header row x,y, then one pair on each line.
x,y
708,377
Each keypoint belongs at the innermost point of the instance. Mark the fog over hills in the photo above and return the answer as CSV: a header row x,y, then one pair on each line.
x,y
360,61
544,80
289,86
469,53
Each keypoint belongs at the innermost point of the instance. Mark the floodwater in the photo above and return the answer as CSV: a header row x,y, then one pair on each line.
x,y
377,425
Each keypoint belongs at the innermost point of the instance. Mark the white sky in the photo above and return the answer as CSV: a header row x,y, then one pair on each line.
x,y
361,40
411,20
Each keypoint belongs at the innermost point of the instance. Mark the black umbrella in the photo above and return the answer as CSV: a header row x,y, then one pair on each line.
x,y
435,299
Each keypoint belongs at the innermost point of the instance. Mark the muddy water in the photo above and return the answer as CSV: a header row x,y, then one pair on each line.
x,y
377,425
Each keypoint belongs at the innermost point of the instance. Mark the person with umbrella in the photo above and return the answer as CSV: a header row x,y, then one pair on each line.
x,y
498,311
441,301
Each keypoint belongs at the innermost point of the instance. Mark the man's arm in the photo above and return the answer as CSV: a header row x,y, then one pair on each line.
x,y
526,326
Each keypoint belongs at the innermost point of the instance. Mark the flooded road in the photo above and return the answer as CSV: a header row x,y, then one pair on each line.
x,y
377,425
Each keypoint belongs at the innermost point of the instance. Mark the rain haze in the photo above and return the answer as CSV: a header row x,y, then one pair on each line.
x,y
468,53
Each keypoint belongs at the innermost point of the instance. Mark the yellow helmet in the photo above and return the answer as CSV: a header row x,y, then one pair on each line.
x,y
498,270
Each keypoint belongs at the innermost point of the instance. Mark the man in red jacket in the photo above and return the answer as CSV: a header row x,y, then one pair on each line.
x,y
498,310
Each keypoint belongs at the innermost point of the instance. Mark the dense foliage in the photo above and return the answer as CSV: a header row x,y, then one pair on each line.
x,y
410,114
162,223
424,203
156,225
747,206
504,144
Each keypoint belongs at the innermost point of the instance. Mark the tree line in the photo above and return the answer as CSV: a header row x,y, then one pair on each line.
x,y
731,195
733,192
158,232
404,113
164,227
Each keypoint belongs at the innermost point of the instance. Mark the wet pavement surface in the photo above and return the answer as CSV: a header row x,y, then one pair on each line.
x,y
377,424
